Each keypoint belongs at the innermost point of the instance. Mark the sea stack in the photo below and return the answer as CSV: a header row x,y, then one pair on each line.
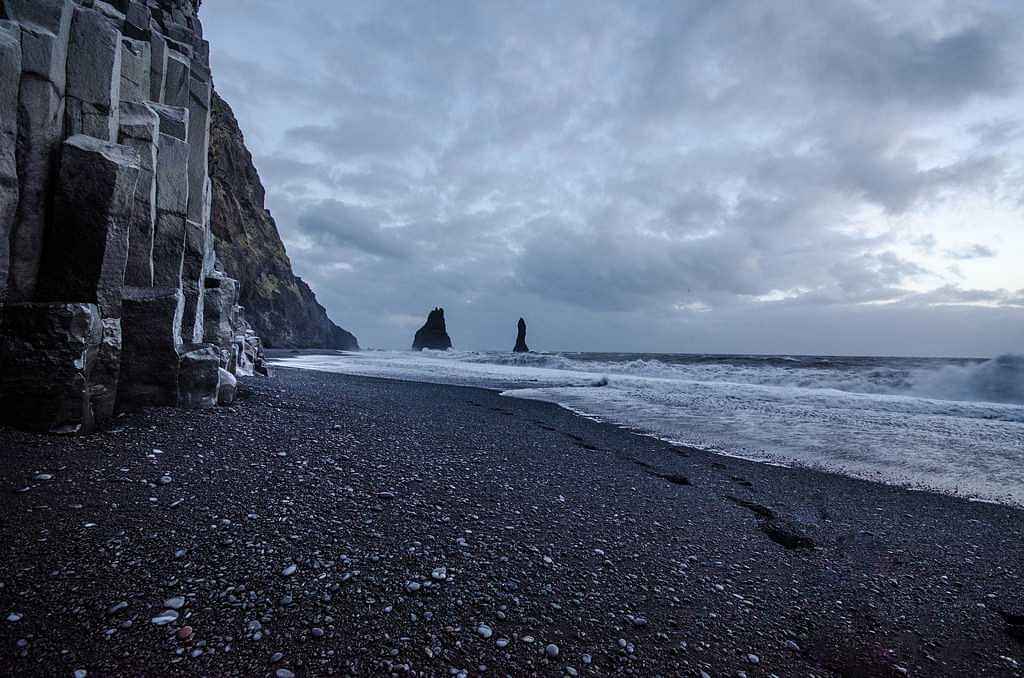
x,y
433,334
521,346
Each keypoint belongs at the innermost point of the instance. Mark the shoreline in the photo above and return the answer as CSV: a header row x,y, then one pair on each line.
x,y
766,458
552,529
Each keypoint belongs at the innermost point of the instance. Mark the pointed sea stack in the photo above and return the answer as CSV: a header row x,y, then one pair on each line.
x,y
432,335
521,346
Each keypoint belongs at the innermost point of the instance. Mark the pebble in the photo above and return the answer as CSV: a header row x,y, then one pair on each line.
x,y
289,571
317,632
412,586
184,633
80,673
165,617
501,642
117,607
43,476
753,659
14,617
165,480
175,603
791,644
485,631
551,650
283,673
440,573
276,657
586,659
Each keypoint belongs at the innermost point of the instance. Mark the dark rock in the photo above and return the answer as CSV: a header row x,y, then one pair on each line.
x,y
198,376
521,346
45,26
171,203
192,281
47,355
786,532
139,128
281,307
87,243
433,334
157,66
10,75
135,70
151,343
199,145
93,76
219,317
176,80
227,389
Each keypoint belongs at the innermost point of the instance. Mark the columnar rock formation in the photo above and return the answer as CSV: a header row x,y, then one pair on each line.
x,y
521,346
111,295
433,334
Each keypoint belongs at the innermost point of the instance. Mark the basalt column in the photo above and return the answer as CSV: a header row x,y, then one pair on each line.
x,y
106,252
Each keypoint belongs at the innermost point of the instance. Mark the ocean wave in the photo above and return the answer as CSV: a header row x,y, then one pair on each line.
x,y
999,380
956,425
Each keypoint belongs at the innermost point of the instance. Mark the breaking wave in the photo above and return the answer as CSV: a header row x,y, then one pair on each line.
x,y
956,425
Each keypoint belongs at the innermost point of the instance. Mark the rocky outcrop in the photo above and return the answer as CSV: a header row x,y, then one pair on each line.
x,y
280,306
521,346
433,334
107,257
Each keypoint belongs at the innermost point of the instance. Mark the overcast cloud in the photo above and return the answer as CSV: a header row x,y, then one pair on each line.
x,y
807,176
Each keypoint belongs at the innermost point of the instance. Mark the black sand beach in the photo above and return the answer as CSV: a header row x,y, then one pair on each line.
x,y
335,525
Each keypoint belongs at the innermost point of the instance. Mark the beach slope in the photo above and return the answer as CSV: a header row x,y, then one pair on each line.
x,y
337,525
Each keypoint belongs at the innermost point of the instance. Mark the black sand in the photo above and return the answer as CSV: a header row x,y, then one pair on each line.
x,y
553,529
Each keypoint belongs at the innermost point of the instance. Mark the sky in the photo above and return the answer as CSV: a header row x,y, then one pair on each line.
x,y
808,176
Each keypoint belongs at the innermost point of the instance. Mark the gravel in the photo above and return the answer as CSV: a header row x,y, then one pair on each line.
x,y
550,531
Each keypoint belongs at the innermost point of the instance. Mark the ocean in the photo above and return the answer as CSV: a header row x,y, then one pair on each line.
x,y
948,425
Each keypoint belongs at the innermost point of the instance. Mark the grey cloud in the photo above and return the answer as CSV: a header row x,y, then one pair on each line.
x,y
974,251
602,160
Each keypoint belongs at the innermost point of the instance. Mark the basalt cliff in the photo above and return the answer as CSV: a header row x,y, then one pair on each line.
x,y
132,227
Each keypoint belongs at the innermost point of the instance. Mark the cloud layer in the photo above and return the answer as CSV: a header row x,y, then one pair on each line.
x,y
685,176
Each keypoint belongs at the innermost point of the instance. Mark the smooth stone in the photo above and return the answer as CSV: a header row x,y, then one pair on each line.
x,y
165,617
283,673
551,650
43,476
485,631
289,571
175,603
14,617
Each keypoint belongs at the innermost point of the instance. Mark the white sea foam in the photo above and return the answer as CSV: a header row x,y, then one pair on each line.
x,y
956,426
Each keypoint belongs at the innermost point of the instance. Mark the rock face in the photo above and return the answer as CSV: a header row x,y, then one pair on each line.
x,y
521,346
280,306
433,334
107,256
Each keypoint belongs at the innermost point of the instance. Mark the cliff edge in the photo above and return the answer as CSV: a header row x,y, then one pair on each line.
x,y
279,305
